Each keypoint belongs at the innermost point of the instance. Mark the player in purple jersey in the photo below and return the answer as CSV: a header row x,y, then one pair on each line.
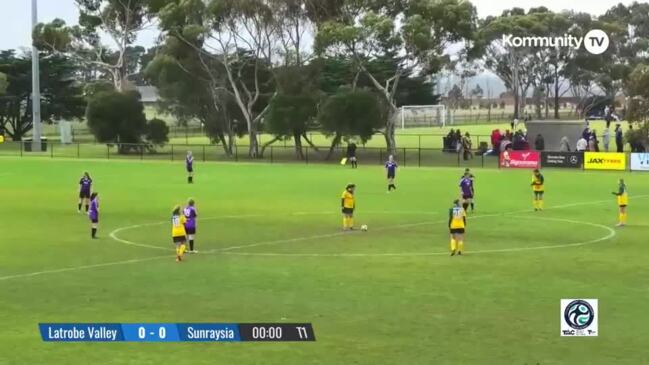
x,y
190,223
466,190
189,165
85,187
93,214
391,169
467,172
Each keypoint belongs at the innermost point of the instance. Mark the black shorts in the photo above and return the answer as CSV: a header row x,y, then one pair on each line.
x,y
94,221
180,239
190,230
467,196
457,230
190,169
539,193
391,175
84,194
622,206
348,211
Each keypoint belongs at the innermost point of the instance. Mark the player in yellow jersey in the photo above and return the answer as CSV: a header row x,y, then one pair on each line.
x,y
537,186
622,202
457,226
348,203
178,234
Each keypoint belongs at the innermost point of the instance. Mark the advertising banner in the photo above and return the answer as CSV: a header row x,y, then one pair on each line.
x,y
640,162
520,159
571,160
604,161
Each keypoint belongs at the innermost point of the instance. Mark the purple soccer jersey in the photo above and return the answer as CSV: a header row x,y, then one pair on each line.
x,y
466,185
190,215
189,162
93,212
85,184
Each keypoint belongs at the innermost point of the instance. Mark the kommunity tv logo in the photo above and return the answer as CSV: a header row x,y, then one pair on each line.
x,y
596,41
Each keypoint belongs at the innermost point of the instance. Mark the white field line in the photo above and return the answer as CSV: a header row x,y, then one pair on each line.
x,y
132,261
611,234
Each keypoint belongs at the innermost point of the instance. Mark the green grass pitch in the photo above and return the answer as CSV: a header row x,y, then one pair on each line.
x,y
272,251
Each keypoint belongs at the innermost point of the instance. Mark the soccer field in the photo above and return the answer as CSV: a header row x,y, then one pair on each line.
x,y
271,250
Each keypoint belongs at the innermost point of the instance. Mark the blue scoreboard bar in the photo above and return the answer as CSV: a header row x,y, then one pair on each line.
x,y
176,332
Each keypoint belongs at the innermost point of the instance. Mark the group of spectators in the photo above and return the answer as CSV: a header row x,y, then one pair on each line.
x,y
456,142
519,141
588,141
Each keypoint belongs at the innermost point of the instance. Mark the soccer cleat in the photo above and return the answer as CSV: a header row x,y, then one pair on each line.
x,y
620,225
459,253
452,253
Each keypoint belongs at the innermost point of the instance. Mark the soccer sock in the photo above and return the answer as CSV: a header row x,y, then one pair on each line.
x,y
465,206
351,222
472,206
453,245
535,203
183,247
87,207
540,204
623,218
93,232
191,245
79,207
460,246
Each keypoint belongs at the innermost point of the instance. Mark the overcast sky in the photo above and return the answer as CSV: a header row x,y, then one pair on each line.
x,y
15,15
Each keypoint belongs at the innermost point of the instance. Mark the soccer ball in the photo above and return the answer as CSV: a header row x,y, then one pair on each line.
x,y
364,227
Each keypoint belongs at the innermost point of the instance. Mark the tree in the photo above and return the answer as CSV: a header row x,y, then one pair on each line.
x,y
3,83
455,97
292,111
120,20
350,114
414,34
157,132
240,37
61,96
117,117
637,89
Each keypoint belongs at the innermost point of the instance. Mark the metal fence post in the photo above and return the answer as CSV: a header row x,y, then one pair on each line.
x,y
203,153
141,152
404,157
108,152
271,154
78,150
307,155
51,149
419,157
21,144
380,156
172,152
236,152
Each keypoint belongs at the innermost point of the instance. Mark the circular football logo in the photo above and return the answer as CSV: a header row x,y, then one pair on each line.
x,y
596,41
579,314
574,159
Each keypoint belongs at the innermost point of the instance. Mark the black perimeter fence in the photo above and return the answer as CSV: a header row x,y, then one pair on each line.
x,y
423,157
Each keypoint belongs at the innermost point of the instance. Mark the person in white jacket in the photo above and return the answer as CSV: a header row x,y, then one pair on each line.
x,y
606,138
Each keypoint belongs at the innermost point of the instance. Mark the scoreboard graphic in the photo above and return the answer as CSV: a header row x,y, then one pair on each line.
x,y
176,332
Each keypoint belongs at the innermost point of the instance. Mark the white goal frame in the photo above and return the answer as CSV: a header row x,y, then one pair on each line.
x,y
439,113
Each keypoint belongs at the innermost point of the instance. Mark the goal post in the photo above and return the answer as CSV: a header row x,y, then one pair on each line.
x,y
413,116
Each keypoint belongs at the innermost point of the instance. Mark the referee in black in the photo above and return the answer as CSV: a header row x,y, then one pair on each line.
x,y
351,154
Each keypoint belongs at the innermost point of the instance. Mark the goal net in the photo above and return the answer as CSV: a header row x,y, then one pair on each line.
x,y
413,116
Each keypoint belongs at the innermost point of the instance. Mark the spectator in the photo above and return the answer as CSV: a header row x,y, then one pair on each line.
x,y
619,139
495,139
606,138
564,145
582,144
466,146
585,134
539,143
593,136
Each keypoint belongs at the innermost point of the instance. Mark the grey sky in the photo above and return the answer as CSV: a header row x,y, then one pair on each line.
x,y
15,16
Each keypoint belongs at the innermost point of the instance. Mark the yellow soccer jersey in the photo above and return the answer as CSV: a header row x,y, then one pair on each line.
x,y
537,183
348,200
178,225
622,196
457,218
